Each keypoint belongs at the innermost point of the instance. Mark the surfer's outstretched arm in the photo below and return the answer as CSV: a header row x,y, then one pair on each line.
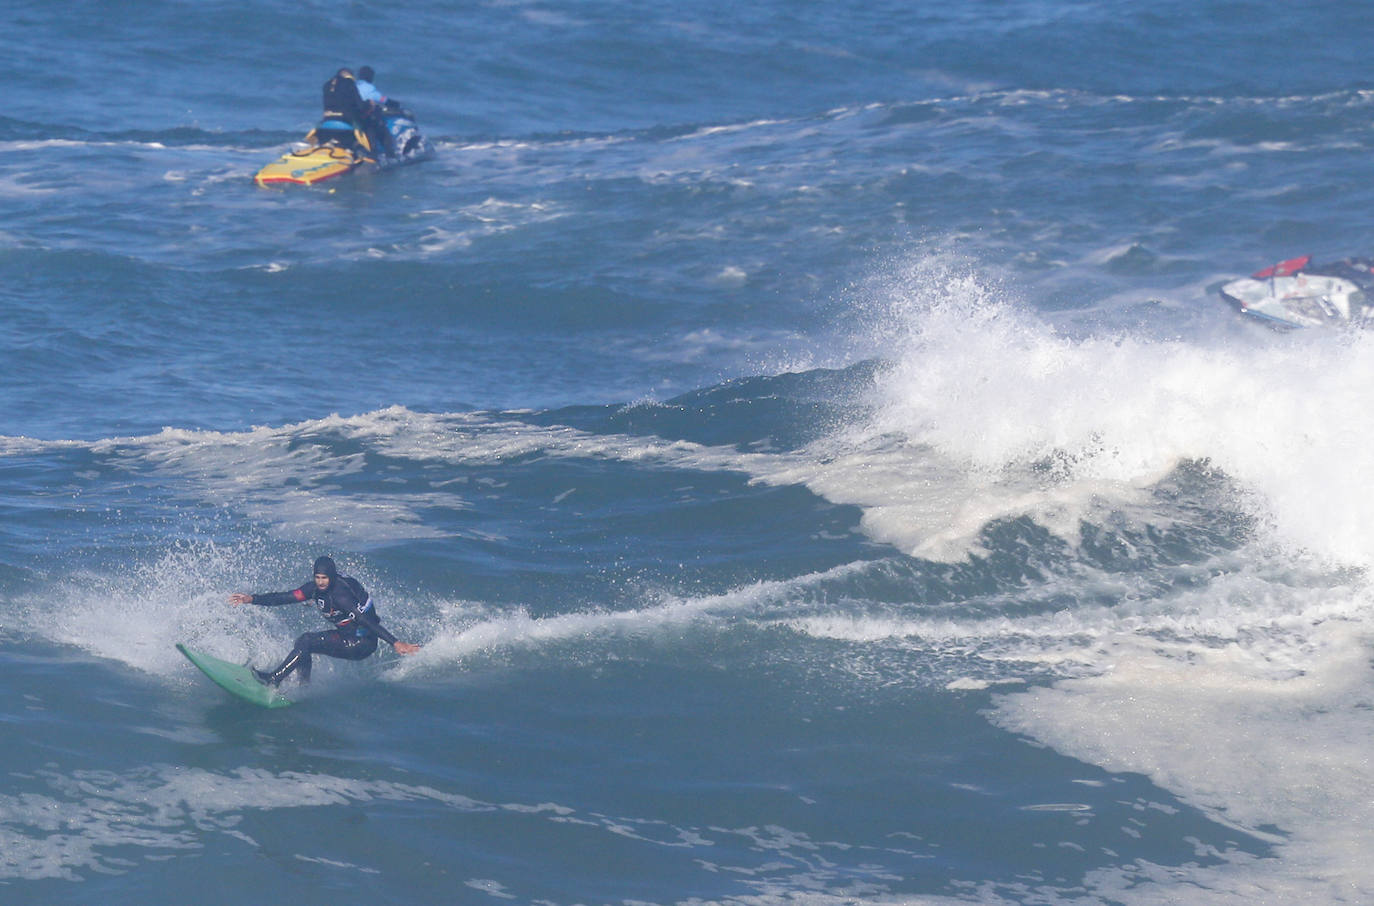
x,y
273,599
265,600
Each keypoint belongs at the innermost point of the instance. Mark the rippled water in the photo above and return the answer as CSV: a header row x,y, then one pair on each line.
x,y
806,441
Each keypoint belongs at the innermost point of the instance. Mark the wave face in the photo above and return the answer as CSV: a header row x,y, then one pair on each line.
x,y
805,441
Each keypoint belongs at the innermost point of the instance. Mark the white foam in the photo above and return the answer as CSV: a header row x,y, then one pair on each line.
x,y
1246,694
987,412
89,822
467,631
276,474
180,597
1281,755
89,816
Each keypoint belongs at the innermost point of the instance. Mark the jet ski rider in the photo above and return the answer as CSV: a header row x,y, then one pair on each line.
x,y
366,90
344,103
375,102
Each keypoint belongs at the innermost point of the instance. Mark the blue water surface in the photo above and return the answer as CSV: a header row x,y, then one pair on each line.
x,y
805,438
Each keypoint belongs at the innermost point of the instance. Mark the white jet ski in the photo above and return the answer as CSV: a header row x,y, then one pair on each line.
x,y
1297,293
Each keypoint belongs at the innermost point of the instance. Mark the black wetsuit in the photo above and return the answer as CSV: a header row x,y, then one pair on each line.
x,y
341,101
346,604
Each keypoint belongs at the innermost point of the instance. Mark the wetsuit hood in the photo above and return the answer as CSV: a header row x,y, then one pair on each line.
x,y
324,566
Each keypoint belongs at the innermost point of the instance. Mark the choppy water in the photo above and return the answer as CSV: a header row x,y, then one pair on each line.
x,y
802,436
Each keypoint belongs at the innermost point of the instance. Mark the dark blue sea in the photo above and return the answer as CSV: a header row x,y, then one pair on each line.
x,y
805,438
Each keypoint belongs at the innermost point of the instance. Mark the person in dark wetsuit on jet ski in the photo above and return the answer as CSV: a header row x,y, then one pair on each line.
x,y
344,602
344,104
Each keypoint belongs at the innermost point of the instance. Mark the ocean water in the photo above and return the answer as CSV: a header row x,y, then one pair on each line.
x,y
805,439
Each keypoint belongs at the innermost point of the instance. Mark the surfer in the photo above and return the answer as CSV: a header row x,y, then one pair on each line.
x,y
345,603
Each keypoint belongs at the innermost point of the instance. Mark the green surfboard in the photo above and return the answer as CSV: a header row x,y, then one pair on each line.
x,y
235,678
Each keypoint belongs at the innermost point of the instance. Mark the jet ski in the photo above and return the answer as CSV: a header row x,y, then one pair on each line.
x,y
1297,293
338,146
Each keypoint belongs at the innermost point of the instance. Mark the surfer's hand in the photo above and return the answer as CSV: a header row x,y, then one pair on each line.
x,y
405,648
240,598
